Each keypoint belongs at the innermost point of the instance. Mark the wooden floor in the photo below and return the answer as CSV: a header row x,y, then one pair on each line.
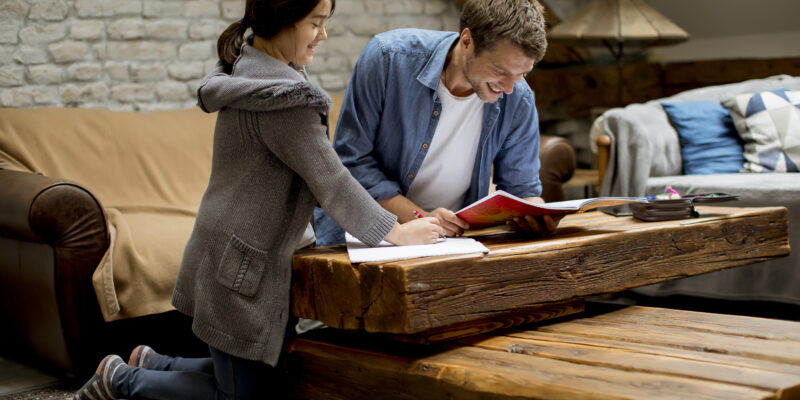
x,y
630,353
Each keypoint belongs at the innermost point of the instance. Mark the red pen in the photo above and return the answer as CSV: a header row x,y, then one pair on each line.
x,y
418,214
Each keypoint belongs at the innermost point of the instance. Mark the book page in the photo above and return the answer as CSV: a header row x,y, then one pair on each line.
x,y
359,252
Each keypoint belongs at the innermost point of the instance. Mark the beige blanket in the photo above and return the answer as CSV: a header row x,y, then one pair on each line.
x,y
149,171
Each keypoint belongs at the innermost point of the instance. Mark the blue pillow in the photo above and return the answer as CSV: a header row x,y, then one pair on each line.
x,y
709,141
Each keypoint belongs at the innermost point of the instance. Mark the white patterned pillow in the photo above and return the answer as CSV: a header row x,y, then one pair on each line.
x,y
769,124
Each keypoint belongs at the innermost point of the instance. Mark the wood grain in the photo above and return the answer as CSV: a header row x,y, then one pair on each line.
x,y
590,254
639,362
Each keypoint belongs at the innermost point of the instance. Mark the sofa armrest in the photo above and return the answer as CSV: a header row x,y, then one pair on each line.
x,y
558,163
68,218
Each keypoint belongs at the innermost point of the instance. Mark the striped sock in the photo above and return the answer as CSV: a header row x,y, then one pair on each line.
x,y
143,357
100,385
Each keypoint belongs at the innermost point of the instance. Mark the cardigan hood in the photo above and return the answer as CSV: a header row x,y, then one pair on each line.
x,y
259,82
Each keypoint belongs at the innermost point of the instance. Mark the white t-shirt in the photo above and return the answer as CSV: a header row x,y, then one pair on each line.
x,y
446,172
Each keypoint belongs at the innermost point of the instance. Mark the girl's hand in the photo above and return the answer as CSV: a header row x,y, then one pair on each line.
x,y
418,231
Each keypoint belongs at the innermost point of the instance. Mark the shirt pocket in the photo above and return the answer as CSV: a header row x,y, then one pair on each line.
x,y
241,267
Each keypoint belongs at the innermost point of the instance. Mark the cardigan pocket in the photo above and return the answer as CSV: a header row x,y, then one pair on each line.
x,y
241,267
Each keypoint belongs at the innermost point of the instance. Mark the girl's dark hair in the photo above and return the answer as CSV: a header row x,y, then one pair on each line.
x,y
266,18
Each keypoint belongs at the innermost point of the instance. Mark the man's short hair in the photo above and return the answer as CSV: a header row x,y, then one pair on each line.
x,y
521,22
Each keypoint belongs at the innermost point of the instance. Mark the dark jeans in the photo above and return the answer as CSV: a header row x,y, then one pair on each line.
x,y
222,376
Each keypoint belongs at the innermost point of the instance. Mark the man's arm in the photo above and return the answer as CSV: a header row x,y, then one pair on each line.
x,y
359,123
403,208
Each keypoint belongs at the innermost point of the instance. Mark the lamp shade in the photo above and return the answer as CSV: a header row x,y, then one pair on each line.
x,y
620,21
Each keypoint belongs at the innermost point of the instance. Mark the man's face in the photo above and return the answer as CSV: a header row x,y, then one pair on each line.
x,y
496,69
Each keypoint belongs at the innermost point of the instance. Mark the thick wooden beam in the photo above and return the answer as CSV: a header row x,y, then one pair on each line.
x,y
630,353
590,254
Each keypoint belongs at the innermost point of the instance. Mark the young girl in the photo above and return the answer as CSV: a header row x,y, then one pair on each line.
x,y
272,164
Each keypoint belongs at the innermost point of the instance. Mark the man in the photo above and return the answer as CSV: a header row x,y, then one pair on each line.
x,y
429,115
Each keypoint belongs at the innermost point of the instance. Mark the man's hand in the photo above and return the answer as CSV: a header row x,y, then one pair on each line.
x,y
539,225
453,226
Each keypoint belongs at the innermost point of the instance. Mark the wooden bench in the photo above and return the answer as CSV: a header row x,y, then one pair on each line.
x,y
628,353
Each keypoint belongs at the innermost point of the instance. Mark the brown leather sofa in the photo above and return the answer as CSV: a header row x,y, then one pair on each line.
x,y
73,184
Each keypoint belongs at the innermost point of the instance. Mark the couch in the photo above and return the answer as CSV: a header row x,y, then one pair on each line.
x,y
95,211
639,152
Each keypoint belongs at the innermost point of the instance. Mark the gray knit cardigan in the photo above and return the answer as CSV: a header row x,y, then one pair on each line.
x,y
272,163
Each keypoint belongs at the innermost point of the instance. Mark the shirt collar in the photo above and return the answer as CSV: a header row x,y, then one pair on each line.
x,y
432,71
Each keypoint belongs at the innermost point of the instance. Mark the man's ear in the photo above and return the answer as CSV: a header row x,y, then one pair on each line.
x,y
466,38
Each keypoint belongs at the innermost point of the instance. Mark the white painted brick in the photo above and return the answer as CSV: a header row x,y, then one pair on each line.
x,y
348,7
329,63
72,93
233,10
209,65
69,50
87,29
197,50
126,28
42,33
42,95
207,29
171,28
436,7
13,10
337,26
131,92
141,51
12,76
107,8
109,106
163,8
6,55
201,8
99,51
84,71
9,32
418,21
117,71
148,72
367,24
164,106
15,98
186,70
31,55
405,7
334,82
374,7
44,74
50,10
171,91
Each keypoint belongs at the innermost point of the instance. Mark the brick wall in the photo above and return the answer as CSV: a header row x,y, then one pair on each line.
x,y
150,54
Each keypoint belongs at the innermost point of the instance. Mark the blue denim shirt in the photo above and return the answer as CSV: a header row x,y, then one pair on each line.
x,y
390,112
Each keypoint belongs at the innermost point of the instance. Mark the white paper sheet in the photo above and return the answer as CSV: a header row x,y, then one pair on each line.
x,y
359,252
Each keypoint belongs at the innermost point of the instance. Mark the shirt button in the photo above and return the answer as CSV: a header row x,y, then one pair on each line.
x,y
435,113
410,176
424,145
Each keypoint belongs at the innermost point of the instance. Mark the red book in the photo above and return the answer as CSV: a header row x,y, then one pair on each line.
x,y
499,206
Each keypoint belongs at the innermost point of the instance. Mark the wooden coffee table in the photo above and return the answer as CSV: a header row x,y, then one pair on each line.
x,y
525,279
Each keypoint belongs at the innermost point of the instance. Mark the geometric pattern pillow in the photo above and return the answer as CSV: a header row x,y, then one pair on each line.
x,y
769,124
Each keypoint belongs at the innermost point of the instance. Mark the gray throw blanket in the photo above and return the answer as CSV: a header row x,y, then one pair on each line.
x,y
644,144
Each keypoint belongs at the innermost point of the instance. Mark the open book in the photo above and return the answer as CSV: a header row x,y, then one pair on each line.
x,y
499,206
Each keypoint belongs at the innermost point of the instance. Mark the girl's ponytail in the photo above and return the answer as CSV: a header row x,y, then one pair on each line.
x,y
230,42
